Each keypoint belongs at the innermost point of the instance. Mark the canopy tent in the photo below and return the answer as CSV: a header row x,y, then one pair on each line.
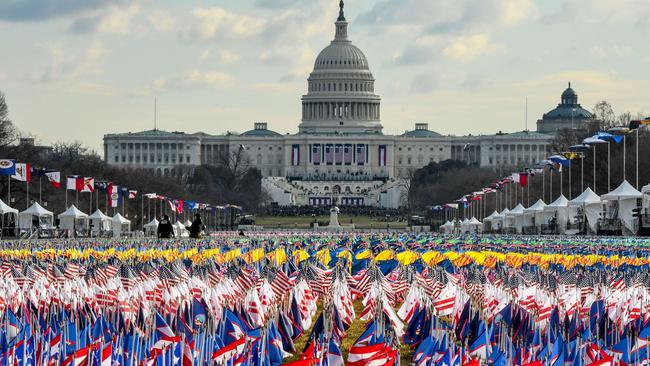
x,y
498,220
646,196
558,210
152,227
99,222
73,219
36,217
515,218
180,231
487,222
589,203
474,226
6,222
534,215
463,225
624,198
120,225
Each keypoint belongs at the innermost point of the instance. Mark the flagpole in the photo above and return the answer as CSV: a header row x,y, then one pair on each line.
x,y
637,157
77,196
609,167
624,173
551,188
27,202
570,187
544,183
582,172
40,190
595,169
9,190
142,211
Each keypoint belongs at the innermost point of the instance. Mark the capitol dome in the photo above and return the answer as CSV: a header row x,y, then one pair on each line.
x,y
341,89
341,55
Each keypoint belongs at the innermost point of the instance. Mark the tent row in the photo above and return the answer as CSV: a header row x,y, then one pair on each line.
x,y
73,220
613,213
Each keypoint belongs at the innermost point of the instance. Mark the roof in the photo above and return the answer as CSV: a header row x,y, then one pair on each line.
x,y
99,215
524,134
624,191
518,210
120,219
37,210
260,132
588,197
558,203
421,133
73,211
5,208
538,206
567,111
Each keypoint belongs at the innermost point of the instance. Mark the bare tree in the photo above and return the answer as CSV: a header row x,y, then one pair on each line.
x,y
7,130
604,113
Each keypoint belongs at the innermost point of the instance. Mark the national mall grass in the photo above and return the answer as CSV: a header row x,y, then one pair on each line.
x,y
303,222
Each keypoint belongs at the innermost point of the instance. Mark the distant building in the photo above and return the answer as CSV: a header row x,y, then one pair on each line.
x,y
339,154
569,114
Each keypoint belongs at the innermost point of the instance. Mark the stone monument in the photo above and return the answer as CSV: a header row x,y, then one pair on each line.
x,y
334,217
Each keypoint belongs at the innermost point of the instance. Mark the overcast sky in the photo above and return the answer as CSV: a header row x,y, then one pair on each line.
x,y
78,69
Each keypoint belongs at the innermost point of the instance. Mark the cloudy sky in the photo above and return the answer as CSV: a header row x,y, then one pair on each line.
x,y
77,69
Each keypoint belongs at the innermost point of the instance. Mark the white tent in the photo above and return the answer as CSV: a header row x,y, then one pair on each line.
x,y
6,210
120,225
487,222
534,215
37,216
73,219
100,222
515,218
443,227
498,220
474,226
180,231
463,225
559,210
646,196
625,197
589,203
152,227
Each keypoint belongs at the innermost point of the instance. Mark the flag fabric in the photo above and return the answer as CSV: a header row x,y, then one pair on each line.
x,y
133,194
114,195
54,178
74,183
23,172
88,184
7,167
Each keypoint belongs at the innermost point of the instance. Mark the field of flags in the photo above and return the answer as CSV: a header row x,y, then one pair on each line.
x,y
228,300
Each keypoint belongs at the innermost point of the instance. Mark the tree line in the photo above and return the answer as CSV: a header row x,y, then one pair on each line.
x,y
231,181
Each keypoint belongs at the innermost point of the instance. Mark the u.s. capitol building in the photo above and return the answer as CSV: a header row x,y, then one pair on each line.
x,y
339,154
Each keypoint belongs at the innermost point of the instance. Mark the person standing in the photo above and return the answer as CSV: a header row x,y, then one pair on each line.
x,y
197,227
165,228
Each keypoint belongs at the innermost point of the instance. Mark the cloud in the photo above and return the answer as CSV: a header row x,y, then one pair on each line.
x,y
116,21
276,4
468,48
214,23
62,65
161,21
457,29
636,12
447,16
227,57
38,10
424,83
193,79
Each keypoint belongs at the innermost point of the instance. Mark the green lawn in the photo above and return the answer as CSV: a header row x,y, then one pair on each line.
x,y
360,222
